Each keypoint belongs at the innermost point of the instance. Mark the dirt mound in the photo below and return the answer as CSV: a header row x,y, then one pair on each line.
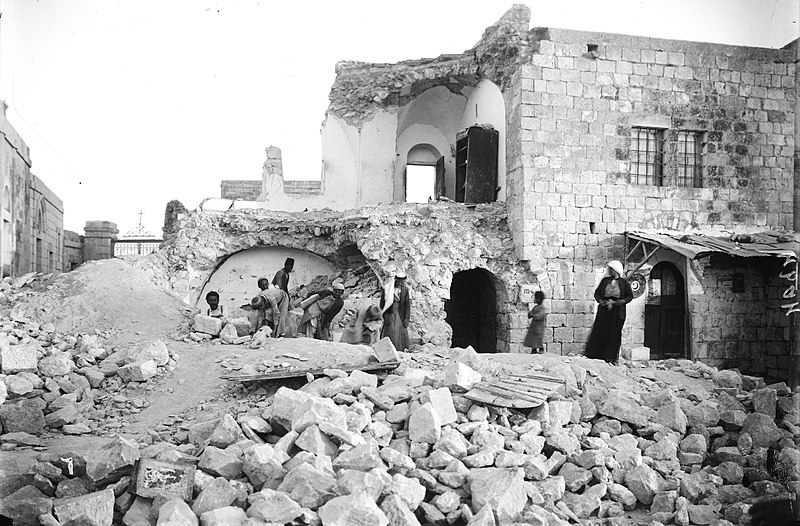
x,y
101,296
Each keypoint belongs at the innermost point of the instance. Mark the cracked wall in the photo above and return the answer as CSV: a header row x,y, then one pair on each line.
x,y
430,242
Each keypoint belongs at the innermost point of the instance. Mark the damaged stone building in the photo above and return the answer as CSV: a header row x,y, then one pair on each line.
x,y
578,148
32,232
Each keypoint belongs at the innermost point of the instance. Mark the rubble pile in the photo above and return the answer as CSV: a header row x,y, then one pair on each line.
x,y
409,448
69,383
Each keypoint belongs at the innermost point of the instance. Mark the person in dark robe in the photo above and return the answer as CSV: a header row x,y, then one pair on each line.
x,y
612,294
318,315
538,316
396,308
281,279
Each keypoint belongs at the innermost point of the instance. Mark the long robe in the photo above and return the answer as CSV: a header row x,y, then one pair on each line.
x,y
362,329
317,317
276,310
397,315
535,334
606,337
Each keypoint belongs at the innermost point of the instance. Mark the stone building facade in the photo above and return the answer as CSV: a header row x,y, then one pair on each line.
x,y
32,232
601,136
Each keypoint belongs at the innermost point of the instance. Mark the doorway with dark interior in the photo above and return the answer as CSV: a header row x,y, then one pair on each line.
x,y
665,312
472,310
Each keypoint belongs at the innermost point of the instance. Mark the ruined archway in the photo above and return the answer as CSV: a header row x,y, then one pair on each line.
x,y
472,310
235,277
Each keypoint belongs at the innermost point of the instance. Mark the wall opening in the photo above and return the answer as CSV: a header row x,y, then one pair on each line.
x,y
472,310
422,174
665,312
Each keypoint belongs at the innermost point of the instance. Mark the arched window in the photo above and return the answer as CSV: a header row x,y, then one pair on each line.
x,y
38,225
7,199
421,173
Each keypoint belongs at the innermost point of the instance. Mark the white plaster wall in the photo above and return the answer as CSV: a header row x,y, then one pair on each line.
x,y
433,117
486,105
236,279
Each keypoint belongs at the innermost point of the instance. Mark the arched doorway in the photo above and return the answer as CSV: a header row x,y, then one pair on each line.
x,y
665,312
472,310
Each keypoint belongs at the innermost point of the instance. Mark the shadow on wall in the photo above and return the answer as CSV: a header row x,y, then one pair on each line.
x,y
235,278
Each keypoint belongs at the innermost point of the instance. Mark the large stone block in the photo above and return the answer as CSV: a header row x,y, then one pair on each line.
x,y
636,354
22,416
25,505
207,324
138,371
18,358
94,509
112,461
57,364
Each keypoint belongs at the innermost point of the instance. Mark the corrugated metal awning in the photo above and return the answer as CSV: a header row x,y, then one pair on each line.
x,y
695,245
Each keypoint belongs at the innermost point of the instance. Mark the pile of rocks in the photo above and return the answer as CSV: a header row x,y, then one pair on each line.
x,y
233,331
66,382
410,448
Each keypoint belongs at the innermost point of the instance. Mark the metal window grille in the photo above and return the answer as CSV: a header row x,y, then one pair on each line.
x,y
647,156
689,151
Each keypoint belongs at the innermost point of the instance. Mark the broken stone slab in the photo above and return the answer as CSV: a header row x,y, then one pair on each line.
x,y
138,371
442,401
111,462
221,463
25,505
409,490
156,351
19,358
207,324
20,438
671,415
225,516
316,442
352,510
138,514
93,509
17,385
308,486
74,488
263,466
575,477
728,379
622,406
452,442
273,506
762,429
229,334
502,489
765,401
385,351
373,482
378,397
586,503
398,513
460,377
364,457
395,458
56,364
226,433
176,512
316,410
67,415
218,494
644,482
636,354
25,416
425,425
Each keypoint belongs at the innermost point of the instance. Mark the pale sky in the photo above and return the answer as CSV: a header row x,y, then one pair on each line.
x,y
127,104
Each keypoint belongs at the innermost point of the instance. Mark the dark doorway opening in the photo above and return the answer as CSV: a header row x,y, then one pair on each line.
x,y
665,312
472,310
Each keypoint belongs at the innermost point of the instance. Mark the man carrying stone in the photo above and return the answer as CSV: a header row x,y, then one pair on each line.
x,y
274,300
318,313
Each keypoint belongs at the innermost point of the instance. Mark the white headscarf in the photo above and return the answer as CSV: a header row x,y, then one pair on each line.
x,y
617,267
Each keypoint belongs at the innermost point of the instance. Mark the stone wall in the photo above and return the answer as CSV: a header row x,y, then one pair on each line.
x,y
41,243
430,242
98,240
240,189
570,195
73,251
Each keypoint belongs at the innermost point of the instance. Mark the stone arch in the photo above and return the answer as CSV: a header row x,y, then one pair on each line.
x,y
235,276
486,105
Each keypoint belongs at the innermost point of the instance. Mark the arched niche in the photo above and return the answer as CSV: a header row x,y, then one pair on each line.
x,y
420,173
486,105
235,278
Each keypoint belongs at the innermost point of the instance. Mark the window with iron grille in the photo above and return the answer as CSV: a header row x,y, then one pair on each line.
x,y
647,156
688,158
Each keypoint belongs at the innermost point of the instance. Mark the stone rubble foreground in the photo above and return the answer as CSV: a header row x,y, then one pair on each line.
x,y
408,448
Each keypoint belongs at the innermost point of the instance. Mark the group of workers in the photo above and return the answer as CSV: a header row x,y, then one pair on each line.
x,y
388,318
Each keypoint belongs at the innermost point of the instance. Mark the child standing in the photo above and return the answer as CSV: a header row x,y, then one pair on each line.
x,y
214,308
538,317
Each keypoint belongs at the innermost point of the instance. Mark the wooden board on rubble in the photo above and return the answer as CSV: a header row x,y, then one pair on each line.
x,y
284,373
515,391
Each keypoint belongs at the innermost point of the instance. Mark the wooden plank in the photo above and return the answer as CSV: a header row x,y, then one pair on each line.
x,y
282,374
505,392
541,377
478,395
524,387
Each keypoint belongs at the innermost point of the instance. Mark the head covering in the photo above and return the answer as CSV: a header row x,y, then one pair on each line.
x,y
373,312
257,302
338,286
288,262
616,266
400,274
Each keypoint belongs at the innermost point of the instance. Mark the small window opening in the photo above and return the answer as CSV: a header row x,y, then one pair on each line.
x,y
592,227
591,48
